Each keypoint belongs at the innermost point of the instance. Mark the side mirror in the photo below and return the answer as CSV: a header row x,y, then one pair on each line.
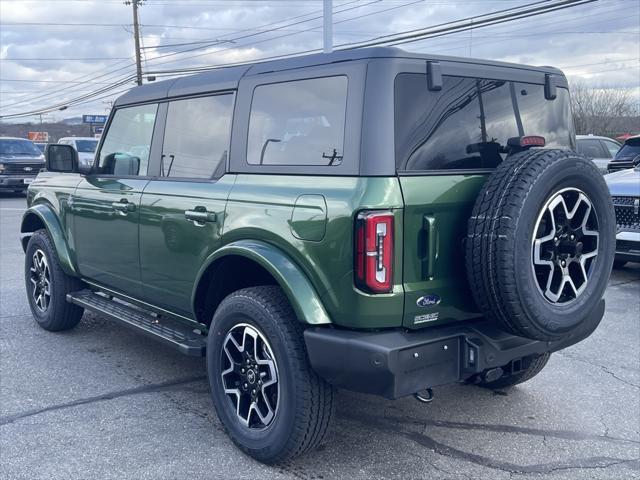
x,y
121,165
61,158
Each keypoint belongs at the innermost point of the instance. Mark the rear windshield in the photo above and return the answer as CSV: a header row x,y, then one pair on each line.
x,y
86,146
18,147
629,149
466,125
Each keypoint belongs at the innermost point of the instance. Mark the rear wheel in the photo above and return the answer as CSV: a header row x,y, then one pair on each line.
x,y
47,286
270,401
540,244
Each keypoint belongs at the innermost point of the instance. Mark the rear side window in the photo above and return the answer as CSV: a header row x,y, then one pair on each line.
x,y
466,125
126,146
298,123
196,137
591,148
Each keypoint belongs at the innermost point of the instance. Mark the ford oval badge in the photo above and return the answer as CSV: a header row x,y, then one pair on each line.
x,y
428,300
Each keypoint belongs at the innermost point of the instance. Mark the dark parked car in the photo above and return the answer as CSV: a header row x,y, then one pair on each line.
x,y
600,150
628,156
624,186
20,162
379,221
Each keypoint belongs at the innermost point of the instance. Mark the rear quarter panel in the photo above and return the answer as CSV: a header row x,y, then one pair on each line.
x,y
263,207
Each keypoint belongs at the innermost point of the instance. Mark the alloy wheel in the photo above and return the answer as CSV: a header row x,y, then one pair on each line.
x,y
565,246
250,376
40,277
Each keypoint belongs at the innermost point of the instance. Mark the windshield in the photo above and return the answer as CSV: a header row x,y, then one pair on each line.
x,y
18,147
629,150
86,146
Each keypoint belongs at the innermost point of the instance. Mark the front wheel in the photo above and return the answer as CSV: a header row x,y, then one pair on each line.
x,y
47,286
270,401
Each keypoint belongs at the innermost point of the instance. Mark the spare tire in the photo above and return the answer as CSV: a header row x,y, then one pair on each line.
x,y
540,244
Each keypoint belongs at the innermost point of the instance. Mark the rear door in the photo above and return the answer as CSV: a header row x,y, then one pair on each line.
x,y
106,203
447,143
183,207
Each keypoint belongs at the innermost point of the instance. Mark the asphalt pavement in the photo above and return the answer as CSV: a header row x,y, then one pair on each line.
x,y
101,402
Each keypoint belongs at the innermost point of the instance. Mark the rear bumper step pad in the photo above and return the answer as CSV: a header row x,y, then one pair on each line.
x,y
170,332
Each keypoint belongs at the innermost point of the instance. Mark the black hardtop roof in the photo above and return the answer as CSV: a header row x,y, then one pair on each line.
x,y
227,78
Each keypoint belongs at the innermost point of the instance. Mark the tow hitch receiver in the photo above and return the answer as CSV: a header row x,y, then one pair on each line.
x,y
424,396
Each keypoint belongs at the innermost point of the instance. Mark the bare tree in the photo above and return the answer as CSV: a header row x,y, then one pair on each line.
x,y
599,110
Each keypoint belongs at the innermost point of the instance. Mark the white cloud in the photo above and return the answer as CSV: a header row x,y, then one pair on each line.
x,y
598,42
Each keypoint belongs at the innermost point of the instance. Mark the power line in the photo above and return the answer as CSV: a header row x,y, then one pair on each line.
x,y
50,81
60,59
478,21
280,28
506,15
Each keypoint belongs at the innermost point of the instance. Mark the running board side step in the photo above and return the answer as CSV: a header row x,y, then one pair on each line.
x,y
170,332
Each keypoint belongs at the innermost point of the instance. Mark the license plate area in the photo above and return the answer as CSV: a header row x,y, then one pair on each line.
x,y
429,365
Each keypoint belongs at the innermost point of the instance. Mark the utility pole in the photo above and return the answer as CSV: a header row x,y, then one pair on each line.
x,y
136,35
328,26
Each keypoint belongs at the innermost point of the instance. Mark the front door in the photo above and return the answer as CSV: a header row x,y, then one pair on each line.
x,y
106,204
182,210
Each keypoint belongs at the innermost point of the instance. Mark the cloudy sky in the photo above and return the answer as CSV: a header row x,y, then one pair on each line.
x,y
57,51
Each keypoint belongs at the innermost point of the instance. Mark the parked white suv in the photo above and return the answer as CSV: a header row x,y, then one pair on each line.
x,y
85,146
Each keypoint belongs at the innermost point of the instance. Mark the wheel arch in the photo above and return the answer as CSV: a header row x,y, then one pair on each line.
x,y
42,216
260,263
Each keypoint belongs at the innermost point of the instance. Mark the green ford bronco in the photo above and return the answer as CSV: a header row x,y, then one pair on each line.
x,y
372,219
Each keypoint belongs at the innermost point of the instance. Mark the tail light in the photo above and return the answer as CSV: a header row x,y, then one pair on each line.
x,y
374,251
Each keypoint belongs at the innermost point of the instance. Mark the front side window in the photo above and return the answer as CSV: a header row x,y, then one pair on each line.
x,y
197,136
126,147
467,124
612,147
298,123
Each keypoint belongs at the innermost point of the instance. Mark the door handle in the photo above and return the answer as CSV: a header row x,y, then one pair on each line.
x,y
199,216
432,246
124,206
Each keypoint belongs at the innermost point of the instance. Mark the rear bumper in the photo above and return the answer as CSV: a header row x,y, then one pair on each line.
x,y
628,246
397,363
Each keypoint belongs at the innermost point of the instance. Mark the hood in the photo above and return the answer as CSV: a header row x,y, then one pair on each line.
x,y
20,158
624,182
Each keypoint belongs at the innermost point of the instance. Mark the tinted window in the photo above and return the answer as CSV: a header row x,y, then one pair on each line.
x,y
125,150
197,135
612,147
591,148
298,123
86,146
629,149
466,125
17,146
